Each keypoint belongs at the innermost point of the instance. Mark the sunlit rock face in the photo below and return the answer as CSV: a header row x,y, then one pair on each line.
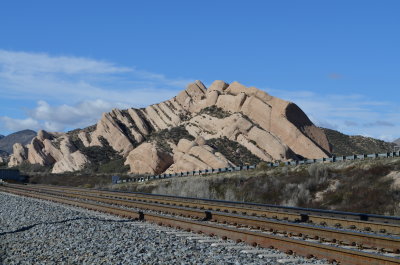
x,y
174,135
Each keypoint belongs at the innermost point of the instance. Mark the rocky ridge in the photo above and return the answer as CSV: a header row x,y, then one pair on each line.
x,y
175,135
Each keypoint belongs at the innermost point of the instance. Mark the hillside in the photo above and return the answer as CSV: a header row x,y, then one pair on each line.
x,y
23,137
367,186
1,136
343,144
397,141
220,126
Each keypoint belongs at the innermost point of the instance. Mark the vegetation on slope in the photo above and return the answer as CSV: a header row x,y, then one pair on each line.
x,y
102,159
343,144
215,111
233,151
173,134
356,186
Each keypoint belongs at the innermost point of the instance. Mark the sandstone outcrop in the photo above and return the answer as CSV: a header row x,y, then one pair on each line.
x,y
20,154
147,158
71,159
268,127
43,150
190,155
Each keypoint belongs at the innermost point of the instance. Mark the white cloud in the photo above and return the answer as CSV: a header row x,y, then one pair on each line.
x,y
34,63
37,76
61,117
72,91
18,124
351,114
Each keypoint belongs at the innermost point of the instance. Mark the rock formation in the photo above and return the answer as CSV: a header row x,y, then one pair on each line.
x,y
20,154
49,149
196,155
268,127
148,159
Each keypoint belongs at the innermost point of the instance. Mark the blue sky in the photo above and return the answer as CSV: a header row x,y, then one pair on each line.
x,y
63,63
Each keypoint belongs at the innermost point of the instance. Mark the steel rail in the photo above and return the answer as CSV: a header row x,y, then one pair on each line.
x,y
286,209
298,210
300,247
273,214
332,235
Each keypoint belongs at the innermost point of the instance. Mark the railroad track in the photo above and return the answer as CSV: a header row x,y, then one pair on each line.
x,y
376,223
301,239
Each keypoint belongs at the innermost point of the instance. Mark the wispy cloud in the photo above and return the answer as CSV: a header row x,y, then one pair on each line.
x,y
18,124
36,63
41,76
74,91
353,114
379,124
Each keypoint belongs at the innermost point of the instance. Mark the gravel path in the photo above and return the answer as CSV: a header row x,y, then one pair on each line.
x,y
40,232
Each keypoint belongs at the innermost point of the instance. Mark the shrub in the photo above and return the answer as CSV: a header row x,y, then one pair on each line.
x,y
263,166
26,167
215,111
173,134
233,151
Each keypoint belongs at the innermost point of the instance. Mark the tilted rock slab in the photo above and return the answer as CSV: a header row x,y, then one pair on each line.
x,y
147,158
19,155
194,155
269,127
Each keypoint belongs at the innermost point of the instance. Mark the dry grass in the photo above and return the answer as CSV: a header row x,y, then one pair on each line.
x,y
362,186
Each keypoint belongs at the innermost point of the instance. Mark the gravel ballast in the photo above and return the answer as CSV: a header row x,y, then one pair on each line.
x,y
40,232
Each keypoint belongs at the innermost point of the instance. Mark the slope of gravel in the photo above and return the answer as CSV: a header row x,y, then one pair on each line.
x,y
39,232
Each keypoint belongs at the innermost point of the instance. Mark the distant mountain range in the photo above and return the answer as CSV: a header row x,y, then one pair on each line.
x,y
24,137
343,144
397,141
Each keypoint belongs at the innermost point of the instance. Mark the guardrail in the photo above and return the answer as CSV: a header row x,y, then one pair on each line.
x,y
333,159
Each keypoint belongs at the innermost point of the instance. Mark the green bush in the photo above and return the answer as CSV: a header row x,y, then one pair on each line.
x,y
173,134
26,167
215,111
233,151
